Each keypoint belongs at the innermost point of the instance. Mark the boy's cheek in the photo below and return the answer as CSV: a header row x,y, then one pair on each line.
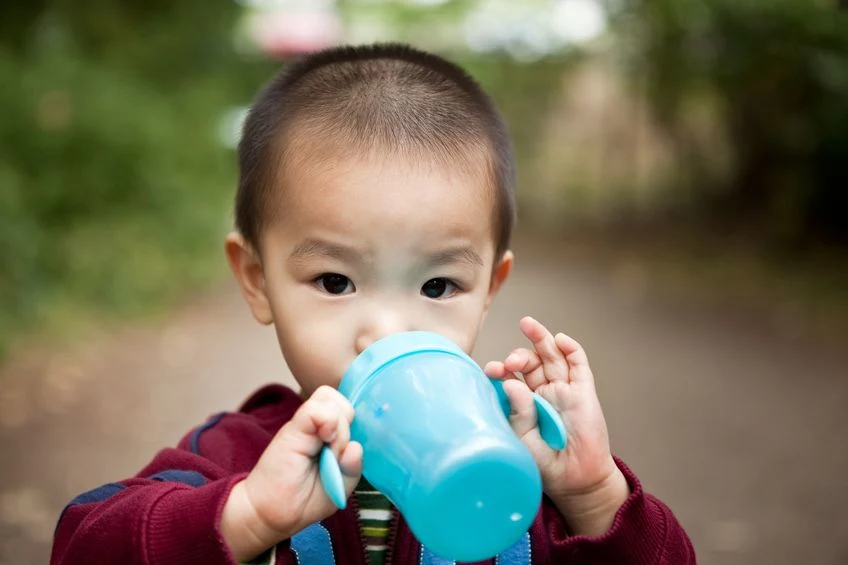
x,y
316,354
310,375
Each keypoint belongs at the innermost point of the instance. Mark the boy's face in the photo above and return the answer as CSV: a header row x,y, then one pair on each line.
x,y
365,248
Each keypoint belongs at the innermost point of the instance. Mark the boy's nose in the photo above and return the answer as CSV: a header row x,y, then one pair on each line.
x,y
379,326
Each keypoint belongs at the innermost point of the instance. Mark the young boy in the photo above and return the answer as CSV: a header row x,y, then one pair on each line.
x,y
375,196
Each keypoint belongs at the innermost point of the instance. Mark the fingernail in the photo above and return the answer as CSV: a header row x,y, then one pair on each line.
x,y
331,438
512,357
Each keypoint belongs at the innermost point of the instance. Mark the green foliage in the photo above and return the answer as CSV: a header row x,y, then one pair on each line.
x,y
780,70
115,190
110,192
525,93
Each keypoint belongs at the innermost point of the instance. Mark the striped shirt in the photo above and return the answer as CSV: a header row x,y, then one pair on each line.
x,y
375,517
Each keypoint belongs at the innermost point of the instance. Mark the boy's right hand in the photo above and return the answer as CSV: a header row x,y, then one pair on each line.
x,y
283,493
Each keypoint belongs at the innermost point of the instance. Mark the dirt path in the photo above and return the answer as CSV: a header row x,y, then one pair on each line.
x,y
740,429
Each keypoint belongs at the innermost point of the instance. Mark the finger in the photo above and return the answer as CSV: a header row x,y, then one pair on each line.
x,y
325,421
522,360
346,407
329,395
578,362
553,361
341,437
325,401
529,364
350,462
522,416
313,425
495,369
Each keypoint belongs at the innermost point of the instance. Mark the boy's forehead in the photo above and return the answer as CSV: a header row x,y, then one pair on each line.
x,y
316,171
386,194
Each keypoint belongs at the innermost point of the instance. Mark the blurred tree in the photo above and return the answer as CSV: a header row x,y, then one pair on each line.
x,y
159,39
779,70
114,184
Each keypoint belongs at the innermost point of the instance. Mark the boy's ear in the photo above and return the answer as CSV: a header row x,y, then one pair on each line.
x,y
499,276
247,269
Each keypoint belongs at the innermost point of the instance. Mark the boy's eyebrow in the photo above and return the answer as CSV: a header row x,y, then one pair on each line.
x,y
318,248
309,248
461,254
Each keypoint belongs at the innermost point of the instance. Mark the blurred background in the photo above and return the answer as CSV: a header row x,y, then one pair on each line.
x,y
683,196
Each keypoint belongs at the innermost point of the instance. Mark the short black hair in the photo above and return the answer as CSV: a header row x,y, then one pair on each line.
x,y
387,96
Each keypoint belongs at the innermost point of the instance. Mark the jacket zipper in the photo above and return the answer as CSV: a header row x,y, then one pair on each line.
x,y
364,542
390,542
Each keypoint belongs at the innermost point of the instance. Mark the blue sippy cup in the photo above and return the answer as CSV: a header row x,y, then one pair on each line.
x,y
437,443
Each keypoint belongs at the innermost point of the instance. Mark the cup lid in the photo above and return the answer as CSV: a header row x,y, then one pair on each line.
x,y
390,348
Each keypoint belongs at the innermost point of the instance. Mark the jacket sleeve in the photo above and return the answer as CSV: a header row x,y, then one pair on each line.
x,y
644,532
169,514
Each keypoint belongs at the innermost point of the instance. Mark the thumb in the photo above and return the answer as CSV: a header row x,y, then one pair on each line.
x,y
350,462
522,418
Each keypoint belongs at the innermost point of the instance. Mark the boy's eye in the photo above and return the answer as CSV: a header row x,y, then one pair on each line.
x,y
438,288
333,283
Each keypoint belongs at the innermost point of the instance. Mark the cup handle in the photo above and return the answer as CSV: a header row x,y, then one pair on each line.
x,y
331,477
550,424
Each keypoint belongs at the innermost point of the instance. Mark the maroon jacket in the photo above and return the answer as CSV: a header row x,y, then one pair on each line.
x,y
169,514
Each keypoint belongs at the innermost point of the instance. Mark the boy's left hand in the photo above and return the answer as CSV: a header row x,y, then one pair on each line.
x,y
582,480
